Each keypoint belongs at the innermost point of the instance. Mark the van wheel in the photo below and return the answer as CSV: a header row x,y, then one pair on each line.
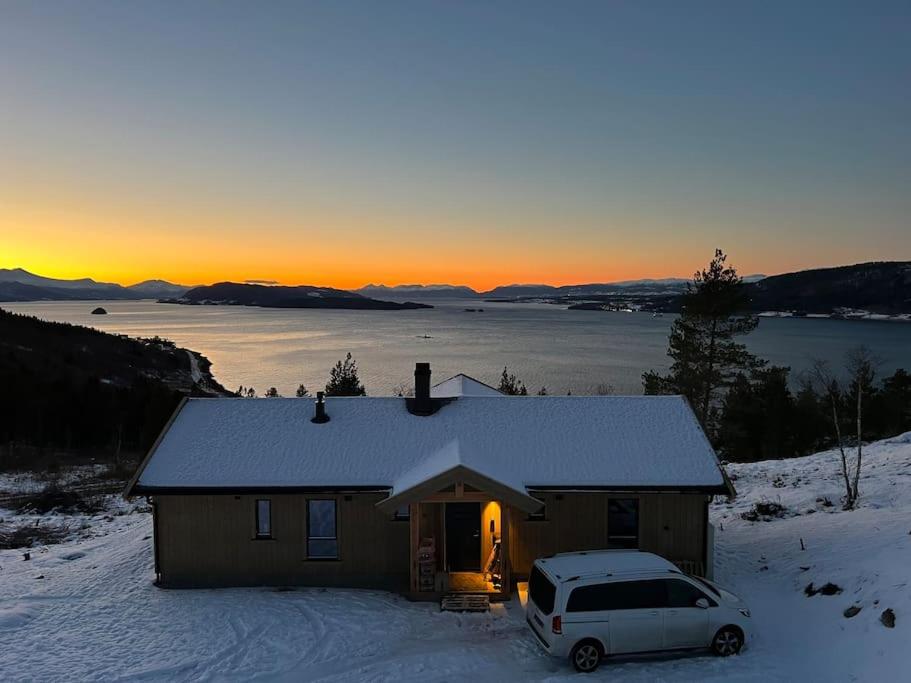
x,y
727,641
586,656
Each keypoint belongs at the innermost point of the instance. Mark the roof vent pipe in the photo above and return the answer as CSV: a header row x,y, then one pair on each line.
x,y
422,403
320,416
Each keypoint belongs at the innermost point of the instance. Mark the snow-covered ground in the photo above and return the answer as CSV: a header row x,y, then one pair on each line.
x,y
87,609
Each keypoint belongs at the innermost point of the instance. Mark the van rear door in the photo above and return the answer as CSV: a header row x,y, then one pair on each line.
x,y
542,594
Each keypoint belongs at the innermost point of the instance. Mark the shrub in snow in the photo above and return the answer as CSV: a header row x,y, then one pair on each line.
x,y
888,618
827,588
53,497
764,510
852,611
29,535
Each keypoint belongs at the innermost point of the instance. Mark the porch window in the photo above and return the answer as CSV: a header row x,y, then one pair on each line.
x,y
322,537
623,523
263,519
402,513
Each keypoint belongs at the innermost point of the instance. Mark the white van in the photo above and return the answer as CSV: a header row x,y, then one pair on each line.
x,y
589,605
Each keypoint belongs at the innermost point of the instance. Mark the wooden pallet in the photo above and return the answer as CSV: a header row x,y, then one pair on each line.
x,y
465,602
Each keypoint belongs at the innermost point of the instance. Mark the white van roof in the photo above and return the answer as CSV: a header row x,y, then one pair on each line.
x,y
564,566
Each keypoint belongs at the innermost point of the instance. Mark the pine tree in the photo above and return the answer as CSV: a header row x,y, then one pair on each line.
x,y
272,392
702,341
757,417
511,385
343,379
890,407
301,391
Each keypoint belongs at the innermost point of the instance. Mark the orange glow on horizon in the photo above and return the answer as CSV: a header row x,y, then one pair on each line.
x,y
78,235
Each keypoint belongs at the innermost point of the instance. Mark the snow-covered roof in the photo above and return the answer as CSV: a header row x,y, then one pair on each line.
x,y
570,442
462,385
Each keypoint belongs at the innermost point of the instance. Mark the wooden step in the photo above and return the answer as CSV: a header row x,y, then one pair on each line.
x,y
465,602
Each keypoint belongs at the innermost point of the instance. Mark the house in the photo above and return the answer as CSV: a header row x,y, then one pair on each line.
x,y
422,495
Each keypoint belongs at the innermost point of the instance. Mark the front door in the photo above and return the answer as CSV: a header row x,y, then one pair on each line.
x,y
463,537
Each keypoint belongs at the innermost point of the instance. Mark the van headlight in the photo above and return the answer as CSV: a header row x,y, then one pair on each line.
x,y
745,612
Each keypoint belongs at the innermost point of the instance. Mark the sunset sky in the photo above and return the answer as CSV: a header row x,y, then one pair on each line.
x,y
477,143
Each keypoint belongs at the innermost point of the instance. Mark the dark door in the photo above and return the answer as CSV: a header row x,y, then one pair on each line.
x,y
463,537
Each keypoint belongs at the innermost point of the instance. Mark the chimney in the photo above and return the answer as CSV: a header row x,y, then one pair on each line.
x,y
422,403
319,416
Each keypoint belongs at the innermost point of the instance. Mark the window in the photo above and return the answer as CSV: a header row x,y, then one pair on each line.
x,y
541,591
618,595
263,519
322,539
538,515
403,513
623,523
683,594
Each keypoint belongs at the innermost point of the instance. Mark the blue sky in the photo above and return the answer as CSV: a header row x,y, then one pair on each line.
x,y
345,142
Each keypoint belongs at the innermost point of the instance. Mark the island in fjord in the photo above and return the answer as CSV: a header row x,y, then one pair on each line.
x,y
274,296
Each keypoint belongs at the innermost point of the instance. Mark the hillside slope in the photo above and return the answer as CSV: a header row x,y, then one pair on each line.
x,y
878,287
72,388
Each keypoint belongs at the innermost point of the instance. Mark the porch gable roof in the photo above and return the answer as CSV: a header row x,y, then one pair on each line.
x,y
449,465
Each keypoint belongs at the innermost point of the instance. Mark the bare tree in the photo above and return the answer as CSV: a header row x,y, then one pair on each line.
x,y
822,375
603,389
860,365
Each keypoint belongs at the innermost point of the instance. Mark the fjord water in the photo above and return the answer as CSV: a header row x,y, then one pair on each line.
x,y
542,343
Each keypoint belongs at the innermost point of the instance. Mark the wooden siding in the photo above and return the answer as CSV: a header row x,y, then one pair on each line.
x,y
670,524
210,541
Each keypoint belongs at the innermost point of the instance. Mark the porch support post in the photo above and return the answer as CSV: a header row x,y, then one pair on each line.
x,y
505,568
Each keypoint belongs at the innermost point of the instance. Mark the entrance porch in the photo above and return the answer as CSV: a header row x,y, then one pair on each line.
x,y
459,529
459,546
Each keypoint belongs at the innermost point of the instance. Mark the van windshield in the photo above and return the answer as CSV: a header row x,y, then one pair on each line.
x,y
541,591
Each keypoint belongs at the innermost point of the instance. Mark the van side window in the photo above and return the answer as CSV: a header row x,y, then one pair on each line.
x,y
683,594
618,595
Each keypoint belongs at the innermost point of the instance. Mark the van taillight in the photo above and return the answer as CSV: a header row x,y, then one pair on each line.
x,y
556,624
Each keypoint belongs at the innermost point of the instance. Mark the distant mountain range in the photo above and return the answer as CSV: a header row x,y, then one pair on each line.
x,y
526,291
17,284
670,286
302,296
879,287
420,291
